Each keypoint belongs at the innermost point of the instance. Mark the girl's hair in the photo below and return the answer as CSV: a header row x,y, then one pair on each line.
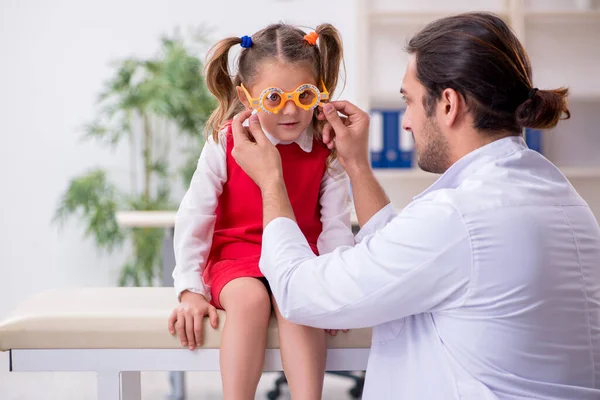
x,y
281,42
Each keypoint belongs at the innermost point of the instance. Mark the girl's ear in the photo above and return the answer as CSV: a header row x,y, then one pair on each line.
x,y
242,97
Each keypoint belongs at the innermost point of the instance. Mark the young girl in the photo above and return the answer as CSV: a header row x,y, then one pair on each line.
x,y
284,74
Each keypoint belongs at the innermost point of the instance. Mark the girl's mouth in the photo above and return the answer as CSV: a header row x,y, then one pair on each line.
x,y
288,124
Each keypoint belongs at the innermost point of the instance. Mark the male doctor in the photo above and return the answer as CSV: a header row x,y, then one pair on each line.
x,y
486,286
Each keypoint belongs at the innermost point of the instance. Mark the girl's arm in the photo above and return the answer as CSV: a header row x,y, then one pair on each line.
x,y
336,208
195,220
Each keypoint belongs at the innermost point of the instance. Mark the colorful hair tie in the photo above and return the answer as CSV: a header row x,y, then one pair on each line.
x,y
311,38
246,42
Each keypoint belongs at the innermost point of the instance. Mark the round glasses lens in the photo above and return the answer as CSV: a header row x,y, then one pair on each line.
x,y
271,99
308,96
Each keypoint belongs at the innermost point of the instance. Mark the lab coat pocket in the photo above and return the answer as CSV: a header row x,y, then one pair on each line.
x,y
387,331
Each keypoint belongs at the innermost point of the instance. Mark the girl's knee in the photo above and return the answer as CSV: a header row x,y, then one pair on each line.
x,y
246,295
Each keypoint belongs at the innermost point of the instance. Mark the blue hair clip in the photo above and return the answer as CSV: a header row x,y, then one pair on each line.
x,y
246,42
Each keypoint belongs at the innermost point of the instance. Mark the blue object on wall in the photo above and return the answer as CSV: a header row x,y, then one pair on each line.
x,y
391,147
533,138
376,145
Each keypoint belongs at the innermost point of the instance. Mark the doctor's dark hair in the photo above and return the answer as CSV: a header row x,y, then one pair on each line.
x,y
276,42
478,56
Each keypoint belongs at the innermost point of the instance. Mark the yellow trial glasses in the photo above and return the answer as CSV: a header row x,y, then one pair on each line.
x,y
273,99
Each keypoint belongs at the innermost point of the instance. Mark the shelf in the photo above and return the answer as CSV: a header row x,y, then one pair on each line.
x,y
415,17
569,15
146,219
387,101
583,97
418,174
581,172
404,174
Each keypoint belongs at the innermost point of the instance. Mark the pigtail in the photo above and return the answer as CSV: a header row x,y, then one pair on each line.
x,y
220,84
331,58
331,54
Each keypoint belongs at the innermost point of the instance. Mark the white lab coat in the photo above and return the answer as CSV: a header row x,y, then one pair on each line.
x,y
487,286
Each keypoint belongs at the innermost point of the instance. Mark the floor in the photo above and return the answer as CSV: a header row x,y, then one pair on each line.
x,y
155,385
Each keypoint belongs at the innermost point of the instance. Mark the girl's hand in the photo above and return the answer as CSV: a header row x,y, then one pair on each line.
x,y
186,320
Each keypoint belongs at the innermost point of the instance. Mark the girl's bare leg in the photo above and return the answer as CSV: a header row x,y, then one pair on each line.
x,y
248,308
303,354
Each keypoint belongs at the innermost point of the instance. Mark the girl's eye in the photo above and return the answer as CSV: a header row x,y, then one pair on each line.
x,y
273,97
307,97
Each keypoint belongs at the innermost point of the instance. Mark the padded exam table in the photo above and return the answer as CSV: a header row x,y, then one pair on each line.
x,y
118,332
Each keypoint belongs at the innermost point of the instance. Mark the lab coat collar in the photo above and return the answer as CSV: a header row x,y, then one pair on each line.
x,y
464,167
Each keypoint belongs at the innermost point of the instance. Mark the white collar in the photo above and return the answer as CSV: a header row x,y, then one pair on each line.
x,y
305,140
464,167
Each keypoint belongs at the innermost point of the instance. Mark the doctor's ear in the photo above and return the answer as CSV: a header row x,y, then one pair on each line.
x,y
451,105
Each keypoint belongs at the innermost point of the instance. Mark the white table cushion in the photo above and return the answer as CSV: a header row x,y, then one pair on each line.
x,y
118,318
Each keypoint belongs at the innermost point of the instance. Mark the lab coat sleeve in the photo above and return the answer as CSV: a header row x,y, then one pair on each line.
x,y
419,262
376,222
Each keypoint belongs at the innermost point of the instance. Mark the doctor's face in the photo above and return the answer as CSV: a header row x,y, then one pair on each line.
x,y
431,145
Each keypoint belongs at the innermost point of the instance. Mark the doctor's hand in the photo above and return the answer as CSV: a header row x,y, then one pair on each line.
x,y
333,332
187,319
348,134
254,152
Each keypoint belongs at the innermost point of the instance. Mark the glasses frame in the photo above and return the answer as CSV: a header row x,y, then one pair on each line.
x,y
257,103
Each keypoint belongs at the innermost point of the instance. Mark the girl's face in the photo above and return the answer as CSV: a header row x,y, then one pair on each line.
x,y
291,121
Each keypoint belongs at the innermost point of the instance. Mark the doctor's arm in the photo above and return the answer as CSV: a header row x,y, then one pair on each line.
x,y
349,134
419,262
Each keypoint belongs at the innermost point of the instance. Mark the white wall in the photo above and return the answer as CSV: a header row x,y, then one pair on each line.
x,y
55,57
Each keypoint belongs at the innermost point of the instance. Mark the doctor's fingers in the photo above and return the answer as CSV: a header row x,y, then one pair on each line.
x,y
328,136
334,332
329,133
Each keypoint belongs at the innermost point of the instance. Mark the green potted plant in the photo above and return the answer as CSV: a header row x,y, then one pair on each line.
x,y
147,102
